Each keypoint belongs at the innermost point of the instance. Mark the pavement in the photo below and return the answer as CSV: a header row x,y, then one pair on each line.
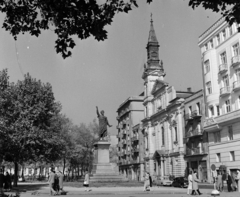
x,y
122,191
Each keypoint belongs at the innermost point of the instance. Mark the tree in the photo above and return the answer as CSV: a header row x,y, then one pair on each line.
x,y
29,125
229,9
83,18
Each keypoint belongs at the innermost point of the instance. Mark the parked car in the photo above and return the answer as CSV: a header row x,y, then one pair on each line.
x,y
180,182
163,181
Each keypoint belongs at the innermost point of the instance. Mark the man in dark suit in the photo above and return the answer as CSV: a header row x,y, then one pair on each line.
x,y
1,179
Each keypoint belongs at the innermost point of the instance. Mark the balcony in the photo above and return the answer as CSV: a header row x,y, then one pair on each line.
x,y
196,114
124,142
236,61
188,117
225,91
195,151
135,161
236,85
222,68
194,133
134,138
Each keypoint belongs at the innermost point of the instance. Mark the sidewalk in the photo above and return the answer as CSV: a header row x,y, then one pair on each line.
x,y
44,191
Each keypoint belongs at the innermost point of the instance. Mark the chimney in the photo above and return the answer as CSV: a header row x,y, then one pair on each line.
x,y
189,89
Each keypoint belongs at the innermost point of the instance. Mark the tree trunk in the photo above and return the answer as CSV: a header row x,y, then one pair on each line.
x,y
15,174
64,165
23,179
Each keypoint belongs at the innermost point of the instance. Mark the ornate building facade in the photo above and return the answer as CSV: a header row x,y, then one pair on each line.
x,y
163,122
221,76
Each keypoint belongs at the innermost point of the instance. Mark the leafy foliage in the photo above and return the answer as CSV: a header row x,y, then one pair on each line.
x,y
228,9
29,125
82,18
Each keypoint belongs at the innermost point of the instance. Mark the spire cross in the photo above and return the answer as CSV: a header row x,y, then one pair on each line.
x,y
151,18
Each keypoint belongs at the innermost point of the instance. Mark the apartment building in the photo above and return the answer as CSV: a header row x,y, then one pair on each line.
x,y
162,123
130,113
195,139
221,76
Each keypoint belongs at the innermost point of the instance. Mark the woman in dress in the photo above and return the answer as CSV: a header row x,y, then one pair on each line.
x,y
146,182
189,189
86,182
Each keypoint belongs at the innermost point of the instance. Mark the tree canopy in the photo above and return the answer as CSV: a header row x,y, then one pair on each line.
x,y
29,124
83,18
228,9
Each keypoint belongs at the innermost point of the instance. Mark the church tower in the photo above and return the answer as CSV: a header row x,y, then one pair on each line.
x,y
153,69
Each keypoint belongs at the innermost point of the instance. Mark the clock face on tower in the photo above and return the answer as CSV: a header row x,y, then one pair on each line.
x,y
154,55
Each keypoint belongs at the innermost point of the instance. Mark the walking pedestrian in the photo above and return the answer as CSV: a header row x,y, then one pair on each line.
x,y
7,181
229,182
60,178
219,182
190,183
238,178
146,182
86,181
51,182
195,184
1,179
234,184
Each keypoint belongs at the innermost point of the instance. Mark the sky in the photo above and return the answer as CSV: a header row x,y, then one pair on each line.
x,y
105,74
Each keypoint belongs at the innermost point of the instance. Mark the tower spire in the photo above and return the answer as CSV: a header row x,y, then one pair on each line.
x,y
154,65
152,36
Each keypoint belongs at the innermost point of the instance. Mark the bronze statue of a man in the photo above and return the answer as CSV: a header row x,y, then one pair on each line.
x,y
103,123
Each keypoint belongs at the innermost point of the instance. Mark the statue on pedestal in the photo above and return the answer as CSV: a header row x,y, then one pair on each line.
x,y
103,123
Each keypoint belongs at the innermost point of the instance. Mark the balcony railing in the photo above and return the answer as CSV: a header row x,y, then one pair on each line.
x,y
225,91
195,132
124,141
222,68
188,116
195,151
196,114
236,61
236,85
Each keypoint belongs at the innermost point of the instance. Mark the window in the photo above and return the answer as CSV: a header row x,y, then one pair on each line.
x,y
217,137
238,102
223,58
218,110
207,66
211,43
190,110
163,136
209,87
225,81
218,39
230,133
238,74
176,134
228,107
232,156
230,30
211,109
218,157
198,108
235,49
224,35
206,47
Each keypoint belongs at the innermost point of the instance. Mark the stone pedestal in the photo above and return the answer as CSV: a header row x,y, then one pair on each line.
x,y
102,168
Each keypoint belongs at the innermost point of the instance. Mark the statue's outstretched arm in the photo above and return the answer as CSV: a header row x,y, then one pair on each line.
x,y
97,111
